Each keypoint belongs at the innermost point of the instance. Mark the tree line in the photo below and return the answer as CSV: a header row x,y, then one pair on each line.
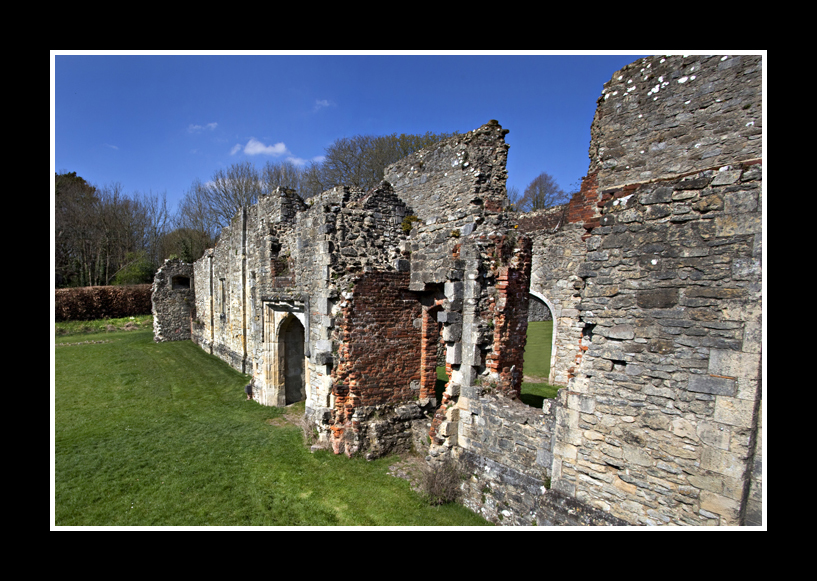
x,y
103,236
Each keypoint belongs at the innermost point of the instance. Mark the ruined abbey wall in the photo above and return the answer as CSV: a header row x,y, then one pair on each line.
x,y
661,422
652,273
172,301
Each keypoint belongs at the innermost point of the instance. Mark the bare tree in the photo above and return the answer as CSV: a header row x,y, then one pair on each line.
x,y
360,161
514,197
542,192
281,173
233,188
195,226
101,231
157,223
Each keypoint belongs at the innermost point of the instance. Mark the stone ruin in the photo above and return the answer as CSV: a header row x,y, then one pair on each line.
x,y
172,301
652,274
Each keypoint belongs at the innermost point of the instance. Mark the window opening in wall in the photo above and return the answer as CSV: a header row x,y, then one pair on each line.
x,y
442,374
535,386
433,373
180,282
223,297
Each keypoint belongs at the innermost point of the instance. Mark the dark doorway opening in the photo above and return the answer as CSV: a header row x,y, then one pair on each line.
x,y
292,345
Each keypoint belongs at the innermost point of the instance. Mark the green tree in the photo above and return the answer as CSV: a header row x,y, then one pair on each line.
x,y
138,270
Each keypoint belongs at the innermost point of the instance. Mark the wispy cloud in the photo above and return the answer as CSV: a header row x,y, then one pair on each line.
x,y
255,147
299,161
111,146
196,128
321,104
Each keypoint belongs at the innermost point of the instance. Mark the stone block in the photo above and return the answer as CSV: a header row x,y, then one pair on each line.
x,y
620,332
725,362
402,265
726,508
712,385
662,298
453,354
734,412
714,434
449,317
452,332
453,290
660,195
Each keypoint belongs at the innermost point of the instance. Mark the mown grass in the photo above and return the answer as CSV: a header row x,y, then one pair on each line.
x,y
537,364
151,434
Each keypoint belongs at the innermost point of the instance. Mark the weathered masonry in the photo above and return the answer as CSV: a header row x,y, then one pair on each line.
x,y
652,274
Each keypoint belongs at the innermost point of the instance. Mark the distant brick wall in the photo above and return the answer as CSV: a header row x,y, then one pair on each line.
x,y
511,317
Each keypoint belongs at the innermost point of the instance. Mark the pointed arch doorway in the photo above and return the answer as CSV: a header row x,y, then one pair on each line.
x,y
291,359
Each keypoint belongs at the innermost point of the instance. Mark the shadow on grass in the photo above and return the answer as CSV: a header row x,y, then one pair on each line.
x,y
534,394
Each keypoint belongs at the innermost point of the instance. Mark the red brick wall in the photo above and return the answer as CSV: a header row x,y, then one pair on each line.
x,y
511,319
583,206
430,342
380,347
102,302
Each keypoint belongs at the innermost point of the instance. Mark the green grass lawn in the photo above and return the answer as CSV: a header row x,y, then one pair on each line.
x,y
153,434
537,364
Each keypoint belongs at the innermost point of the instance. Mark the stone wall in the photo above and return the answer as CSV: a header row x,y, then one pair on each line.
x,y
173,301
652,272
661,421
664,116
461,173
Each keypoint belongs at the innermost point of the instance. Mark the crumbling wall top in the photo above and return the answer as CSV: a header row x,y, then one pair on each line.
x,y
664,116
464,173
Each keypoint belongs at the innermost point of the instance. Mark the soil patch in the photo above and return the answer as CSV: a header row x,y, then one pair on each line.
x,y
409,468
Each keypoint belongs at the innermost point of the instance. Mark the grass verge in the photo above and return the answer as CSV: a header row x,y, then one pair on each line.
x,y
64,328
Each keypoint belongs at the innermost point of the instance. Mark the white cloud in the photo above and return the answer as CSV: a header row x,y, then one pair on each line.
x,y
195,128
255,147
321,103
299,161
236,148
111,146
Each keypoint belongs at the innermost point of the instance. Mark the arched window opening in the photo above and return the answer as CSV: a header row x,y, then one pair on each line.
x,y
538,353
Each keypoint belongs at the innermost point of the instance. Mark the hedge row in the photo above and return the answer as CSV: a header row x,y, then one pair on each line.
x,y
102,302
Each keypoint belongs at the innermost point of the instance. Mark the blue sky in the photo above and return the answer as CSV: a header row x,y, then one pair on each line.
x,y
156,122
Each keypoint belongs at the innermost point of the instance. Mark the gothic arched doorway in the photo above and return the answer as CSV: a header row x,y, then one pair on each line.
x,y
291,354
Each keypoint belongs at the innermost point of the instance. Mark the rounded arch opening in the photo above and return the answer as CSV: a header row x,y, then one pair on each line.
x,y
540,348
